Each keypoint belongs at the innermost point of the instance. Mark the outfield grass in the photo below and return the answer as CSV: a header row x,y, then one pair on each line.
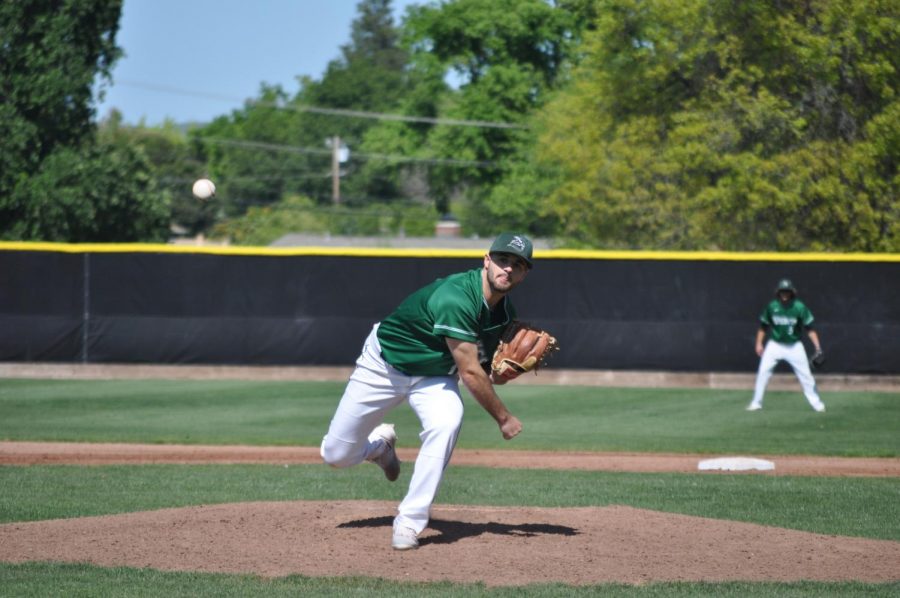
x,y
555,418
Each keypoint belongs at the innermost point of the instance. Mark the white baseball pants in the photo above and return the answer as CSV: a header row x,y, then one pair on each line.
x,y
795,355
374,389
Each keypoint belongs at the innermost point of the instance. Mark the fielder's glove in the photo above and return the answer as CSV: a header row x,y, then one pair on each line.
x,y
817,359
522,348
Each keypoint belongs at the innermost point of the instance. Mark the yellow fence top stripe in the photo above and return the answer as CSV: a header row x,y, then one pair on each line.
x,y
564,254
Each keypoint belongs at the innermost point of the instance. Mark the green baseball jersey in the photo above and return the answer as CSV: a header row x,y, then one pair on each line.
x,y
786,322
413,337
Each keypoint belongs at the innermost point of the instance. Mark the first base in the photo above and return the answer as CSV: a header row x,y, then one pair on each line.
x,y
735,464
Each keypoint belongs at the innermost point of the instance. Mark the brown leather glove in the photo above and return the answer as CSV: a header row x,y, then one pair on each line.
x,y
522,348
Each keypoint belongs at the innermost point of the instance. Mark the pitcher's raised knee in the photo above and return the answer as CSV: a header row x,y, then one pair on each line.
x,y
339,453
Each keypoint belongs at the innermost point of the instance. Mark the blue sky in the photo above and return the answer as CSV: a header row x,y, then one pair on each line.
x,y
193,60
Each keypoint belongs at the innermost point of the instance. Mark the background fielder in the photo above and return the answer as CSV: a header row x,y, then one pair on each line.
x,y
784,320
445,332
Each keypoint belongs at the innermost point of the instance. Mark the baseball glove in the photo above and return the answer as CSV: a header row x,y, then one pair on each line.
x,y
523,348
817,359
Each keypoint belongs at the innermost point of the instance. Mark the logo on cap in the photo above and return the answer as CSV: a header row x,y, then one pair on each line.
x,y
517,243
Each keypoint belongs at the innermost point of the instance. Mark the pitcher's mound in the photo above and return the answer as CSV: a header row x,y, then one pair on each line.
x,y
493,545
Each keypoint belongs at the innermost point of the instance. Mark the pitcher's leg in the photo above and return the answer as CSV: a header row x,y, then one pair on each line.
x,y
439,407
374,388
361,409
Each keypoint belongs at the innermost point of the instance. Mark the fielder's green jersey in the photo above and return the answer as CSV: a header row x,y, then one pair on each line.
x,y
413,337
786,322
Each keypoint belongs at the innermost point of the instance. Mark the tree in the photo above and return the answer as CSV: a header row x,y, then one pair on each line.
x,y
370,75
506,55
384,175
50,55
101,193
175,164
254,154
56,183
690,124
275,146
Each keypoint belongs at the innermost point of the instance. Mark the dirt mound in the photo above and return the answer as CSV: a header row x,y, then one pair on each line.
x,y
494,545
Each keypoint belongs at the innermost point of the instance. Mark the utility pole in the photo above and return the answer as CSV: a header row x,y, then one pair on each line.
x,y
335,169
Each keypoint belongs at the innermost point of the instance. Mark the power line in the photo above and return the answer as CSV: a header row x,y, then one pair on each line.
x,y
278,147
286,176
275,147
453,122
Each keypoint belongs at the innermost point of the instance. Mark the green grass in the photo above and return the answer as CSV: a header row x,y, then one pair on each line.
x,y
50,579
163,411
554,418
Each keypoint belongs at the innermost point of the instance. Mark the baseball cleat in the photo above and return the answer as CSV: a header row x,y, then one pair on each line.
x,y
404,538
387,458
753,407
820,407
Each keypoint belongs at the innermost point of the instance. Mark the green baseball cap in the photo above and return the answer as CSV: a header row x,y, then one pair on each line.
x,y
515,244
785,284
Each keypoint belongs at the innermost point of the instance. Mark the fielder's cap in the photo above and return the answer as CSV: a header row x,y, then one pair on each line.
x,y
785,284
515,244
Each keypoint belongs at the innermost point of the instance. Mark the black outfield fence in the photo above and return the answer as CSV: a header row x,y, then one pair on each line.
x,y
686,312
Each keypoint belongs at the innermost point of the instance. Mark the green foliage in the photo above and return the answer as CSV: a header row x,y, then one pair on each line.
x,y
518,200
370,75
471,37
663,124
386,174
101,193
175,165
389,177
57,183
748,126
370,72
263,225
275,147
508,55
50,55
250,156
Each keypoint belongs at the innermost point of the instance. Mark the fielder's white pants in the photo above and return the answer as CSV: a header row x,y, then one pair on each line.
x,y
795,355
374,389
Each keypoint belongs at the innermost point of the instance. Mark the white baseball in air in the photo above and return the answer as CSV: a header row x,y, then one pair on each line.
x,y
204,189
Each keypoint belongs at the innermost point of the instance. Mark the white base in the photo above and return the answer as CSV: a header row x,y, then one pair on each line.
x,y
736,464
